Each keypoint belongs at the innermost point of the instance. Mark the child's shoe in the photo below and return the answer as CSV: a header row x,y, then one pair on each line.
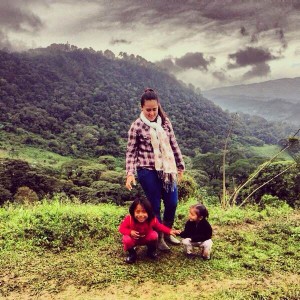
x,y
205,257
190,255
131,258
151,252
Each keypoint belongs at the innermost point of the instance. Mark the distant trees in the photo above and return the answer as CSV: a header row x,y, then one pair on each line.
x,y
86,101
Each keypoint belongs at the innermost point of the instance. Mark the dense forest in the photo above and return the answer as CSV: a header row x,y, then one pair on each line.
x,y
80,103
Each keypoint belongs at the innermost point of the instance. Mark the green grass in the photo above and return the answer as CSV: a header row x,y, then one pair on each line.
x,y
36,156
269,151
53,245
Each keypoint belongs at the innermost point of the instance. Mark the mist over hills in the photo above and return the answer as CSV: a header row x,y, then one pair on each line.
x,y
82,102
275,100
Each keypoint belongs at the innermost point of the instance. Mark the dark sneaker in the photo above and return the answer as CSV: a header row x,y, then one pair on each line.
x,y
152,255
205,257
131,258
190,255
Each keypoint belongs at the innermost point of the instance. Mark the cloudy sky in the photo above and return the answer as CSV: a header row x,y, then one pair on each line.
x,y
207,43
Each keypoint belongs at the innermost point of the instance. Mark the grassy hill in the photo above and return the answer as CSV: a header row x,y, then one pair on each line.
x,y
64,250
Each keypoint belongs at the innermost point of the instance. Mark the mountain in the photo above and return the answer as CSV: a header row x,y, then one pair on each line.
x,y
81,102
275,100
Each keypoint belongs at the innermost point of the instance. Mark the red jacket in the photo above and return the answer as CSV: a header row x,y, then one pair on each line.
x,y
144,228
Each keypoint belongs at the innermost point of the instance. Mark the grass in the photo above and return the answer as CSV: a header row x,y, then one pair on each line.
x,y
36,156
12,146
269,151
57,250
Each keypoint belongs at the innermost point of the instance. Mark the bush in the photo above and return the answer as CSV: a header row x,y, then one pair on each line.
x,y
25,195
187,188
271,201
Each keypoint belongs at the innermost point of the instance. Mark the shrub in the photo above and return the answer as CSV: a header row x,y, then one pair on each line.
x,y
187,188
25,195
272,201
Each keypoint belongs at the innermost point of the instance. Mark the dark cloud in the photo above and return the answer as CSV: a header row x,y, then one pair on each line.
x,y
167,64
281,36
196,15
259,70
243,31
121,41
250,56
219,75
193,61
16,16
188,61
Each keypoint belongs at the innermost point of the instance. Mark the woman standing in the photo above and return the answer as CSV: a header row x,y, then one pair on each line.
x,y
153,153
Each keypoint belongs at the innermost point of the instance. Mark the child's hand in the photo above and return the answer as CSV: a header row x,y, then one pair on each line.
x,y
175,232
135,234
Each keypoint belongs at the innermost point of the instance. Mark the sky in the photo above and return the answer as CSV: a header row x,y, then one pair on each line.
x,y
206,43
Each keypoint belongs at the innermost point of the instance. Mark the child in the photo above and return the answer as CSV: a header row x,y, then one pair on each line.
x,y
197,232
137,229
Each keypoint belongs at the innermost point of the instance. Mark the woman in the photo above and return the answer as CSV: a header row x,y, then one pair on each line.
x,y
153,153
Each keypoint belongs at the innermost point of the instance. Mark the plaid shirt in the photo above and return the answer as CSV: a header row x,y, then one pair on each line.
x,y
140,151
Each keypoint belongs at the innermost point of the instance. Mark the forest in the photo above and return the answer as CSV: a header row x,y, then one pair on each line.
x,y
77,105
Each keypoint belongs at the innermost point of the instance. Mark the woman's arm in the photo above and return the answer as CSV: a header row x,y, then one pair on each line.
x,y
131,156
176,150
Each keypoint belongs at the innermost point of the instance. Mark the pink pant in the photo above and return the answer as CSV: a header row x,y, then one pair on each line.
x,y
129,242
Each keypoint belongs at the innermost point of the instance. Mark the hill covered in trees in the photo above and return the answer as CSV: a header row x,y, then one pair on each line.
x,y
64,117
81,102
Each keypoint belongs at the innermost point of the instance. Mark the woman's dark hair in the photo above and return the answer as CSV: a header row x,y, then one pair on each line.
x,y
150,94
201,210
144,203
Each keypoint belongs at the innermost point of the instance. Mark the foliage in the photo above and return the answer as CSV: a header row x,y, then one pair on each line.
x,y
187,188
25,195
285,187
72,102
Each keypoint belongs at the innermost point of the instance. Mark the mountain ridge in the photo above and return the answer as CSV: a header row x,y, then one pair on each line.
x,y
264,90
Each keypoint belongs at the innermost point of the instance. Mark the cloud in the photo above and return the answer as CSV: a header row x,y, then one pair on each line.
x,y
15,16
219,75
249,56
120,41
168,64
193,61
259,70
4,42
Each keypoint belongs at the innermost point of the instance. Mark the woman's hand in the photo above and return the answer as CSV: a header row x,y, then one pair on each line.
x,y
179,176
130,179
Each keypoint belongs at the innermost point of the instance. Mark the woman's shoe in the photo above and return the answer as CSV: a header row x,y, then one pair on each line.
x,y
171,239
161,245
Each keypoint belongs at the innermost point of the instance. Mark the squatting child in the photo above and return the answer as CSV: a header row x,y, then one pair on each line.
x,y
197,232
140,228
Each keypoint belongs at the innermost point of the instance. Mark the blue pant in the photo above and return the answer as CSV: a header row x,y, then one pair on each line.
x,y
153,188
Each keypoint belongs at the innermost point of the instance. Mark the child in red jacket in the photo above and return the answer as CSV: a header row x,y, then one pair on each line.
x,y
140,228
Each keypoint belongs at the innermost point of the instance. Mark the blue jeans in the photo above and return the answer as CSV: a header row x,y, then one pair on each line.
x,y
153,188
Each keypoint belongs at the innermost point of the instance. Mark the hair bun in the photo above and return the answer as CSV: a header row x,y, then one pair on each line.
x,y
148,90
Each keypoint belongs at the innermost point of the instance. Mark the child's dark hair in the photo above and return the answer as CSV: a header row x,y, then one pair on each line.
x,y
150,94
200,210
147,206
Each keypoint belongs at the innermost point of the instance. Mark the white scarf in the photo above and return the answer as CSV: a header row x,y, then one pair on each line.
x,y
163,154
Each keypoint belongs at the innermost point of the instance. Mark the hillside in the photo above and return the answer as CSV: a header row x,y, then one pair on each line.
x,y
80,102
276,100
73,251
285,88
